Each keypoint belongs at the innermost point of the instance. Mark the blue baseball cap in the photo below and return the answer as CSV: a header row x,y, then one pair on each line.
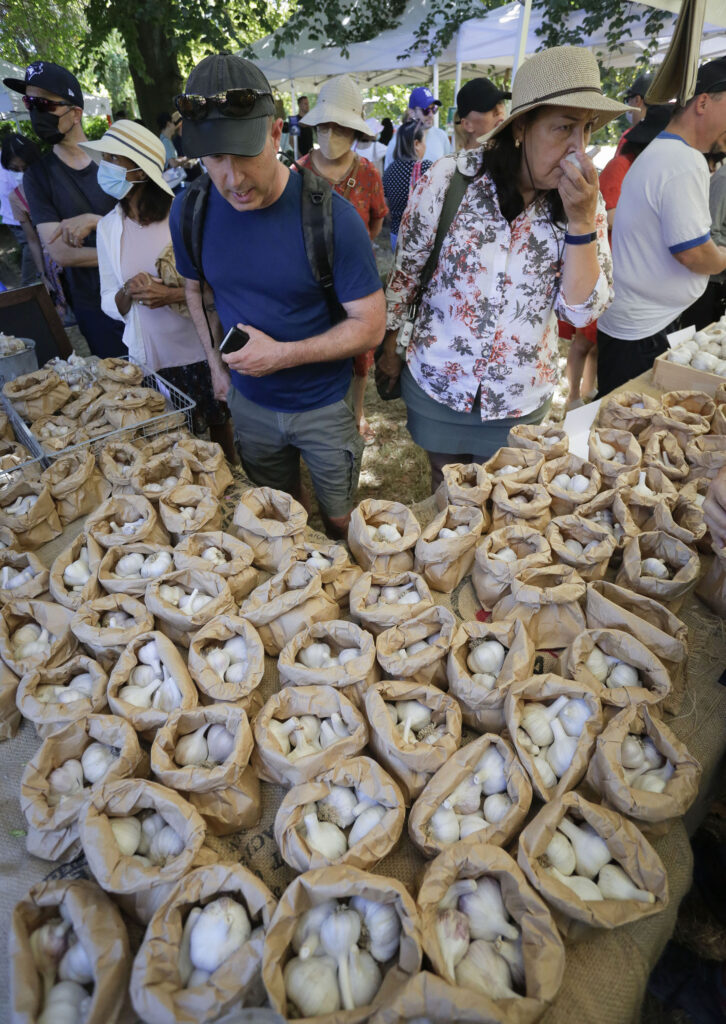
x,y
422,97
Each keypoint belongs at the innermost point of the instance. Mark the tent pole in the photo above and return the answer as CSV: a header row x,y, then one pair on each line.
x,y
435,90
293,110
525,12
457,80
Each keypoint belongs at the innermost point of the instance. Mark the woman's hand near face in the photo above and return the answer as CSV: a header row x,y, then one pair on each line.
x,y
579,189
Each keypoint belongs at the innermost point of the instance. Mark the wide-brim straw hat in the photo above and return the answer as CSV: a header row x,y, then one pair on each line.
x,y
132,140
563,76
340,101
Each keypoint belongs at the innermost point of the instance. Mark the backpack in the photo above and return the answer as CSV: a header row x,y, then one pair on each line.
x,y
317,223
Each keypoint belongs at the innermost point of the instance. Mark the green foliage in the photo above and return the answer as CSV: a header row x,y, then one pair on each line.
x,y
95,127
52,29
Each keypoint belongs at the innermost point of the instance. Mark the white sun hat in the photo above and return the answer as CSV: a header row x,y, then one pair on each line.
x,y
132,140
340,101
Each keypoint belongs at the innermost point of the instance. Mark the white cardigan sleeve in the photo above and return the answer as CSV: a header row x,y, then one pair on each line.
x,y
108,247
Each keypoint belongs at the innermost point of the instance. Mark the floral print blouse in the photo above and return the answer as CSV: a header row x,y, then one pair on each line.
x,y
489,315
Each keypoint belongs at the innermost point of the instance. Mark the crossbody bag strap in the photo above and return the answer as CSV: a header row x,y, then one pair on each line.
x,y
350,181
452,201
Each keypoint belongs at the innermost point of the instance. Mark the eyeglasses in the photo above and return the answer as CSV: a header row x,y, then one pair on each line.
x,y
231,103
429,110
42,105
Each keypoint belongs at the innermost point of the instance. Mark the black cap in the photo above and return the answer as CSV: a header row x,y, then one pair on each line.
x,y
241,136
480,95
51,77
712,76
640,86
655,121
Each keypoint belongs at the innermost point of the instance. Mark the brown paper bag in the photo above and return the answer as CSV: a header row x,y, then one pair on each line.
x,y
269,758
565,501
53,827
441,785
50,716
134,586
640,504
106,643
8,540
376,615
147,720
37,394
528,461
18,562
193,552
547,688
483,709
629,849
66,594
622,468
338,577
116,370
99,928
207,463
685,406
381,555
412,763
706,456
592,564
54,433
546,438
547,601
655,682
353,677
666,519
156,992
367,780
665,636
227,795
94,421
76,486
6,431
125,510
286,604
464,484
492,576
153,476
127,407
688,513
272,523
214,686
684,430
9,713
341,883
662,444
606,773
435,627
428,997
178,625
682,561
39,524
82,396
445,561
515,504
712,587
50,617
544,953
628,410
207,514
118,460
157,444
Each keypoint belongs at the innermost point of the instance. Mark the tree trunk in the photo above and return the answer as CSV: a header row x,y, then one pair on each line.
x,y
162,68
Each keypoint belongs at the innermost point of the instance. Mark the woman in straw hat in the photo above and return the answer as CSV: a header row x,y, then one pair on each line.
x,y
527,244
139,283
338,118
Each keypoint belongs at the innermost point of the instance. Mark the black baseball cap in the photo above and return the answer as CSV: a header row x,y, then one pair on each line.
x,y
640,85
51,77
241,136
712,76
480,95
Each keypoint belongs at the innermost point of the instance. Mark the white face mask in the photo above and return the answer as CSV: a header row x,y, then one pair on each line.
x,y
332,145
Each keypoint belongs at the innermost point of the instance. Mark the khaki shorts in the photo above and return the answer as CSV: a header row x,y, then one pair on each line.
x,y
271,444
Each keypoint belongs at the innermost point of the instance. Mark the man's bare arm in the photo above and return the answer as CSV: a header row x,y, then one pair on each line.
x,y
66,255
708,258
220,374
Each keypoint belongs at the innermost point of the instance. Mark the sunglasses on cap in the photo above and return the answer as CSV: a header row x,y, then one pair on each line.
x,y
42,105
231,103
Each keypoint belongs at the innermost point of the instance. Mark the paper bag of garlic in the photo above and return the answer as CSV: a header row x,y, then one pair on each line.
x,y
207,463
663,451
287,603
340,940
57,432
51,698
202,951
481,789
548,602
382,535
379,600
705,456
616,454
502,554
35,635
417,650
37,394
465,484
58,778
571,482
9,713
126,519
334,653
129,569
333,563
518,504
21,575
444,552
186,600
585,545
609,510
546,438
76,486
489,934
69,956
227,661
222,554
106,625
627,410
115,370
659,566
157,476
616,666
352,814
74,573
272,523
27,509
117,461
591,865
516,465
187,509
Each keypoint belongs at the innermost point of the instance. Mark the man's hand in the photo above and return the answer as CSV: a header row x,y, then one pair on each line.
x,y
150,291
261,355
389,365
75,230
714,509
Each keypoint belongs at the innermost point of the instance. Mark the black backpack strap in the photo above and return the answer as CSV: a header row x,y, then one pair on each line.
x,y
452,201
194,210
317,224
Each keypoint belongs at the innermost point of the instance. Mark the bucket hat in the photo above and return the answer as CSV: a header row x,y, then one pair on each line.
x,y
340,101
132,140
563,76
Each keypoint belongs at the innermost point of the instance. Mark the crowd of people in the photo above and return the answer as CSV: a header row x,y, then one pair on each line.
x,y
493,245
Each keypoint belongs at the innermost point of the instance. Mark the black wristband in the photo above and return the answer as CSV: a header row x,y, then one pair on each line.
x,y
580,239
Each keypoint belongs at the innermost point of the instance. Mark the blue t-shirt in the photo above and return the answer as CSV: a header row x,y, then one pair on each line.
x,y
256,264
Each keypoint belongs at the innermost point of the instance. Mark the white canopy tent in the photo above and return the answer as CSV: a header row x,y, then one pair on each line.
x,y
11,103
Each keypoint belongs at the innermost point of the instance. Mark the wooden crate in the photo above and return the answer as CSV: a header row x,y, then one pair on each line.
x,y
670,376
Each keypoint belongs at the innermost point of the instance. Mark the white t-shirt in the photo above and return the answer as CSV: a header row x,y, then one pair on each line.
x,y
662,210
437,145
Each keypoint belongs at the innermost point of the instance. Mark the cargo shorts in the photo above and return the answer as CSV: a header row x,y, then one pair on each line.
x,y
271,444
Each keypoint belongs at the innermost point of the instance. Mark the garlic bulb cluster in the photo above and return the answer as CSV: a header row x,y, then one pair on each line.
x,y
478,801
656,568
577,483
480,944
116,620
340,820
21,505
606,451
211,935
80,687
414,721
165,485
52,429
578,858
70,777
307,734
146,837
320,655
31,641
405,594
641,488
318,562
578,550
386,533
64,967
214,555
611,671
550,734
197,749
76,574
186,602
485,661
9,344
506,470
705,351
505,554
13,579
644,766
135,566
339,947
127,529
229,660
604,517
445,533
150,685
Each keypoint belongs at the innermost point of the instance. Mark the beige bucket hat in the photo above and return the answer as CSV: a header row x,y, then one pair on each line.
x,y
563,76
340,101
132,140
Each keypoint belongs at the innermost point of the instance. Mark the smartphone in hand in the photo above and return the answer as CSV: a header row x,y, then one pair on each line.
x,y
234,340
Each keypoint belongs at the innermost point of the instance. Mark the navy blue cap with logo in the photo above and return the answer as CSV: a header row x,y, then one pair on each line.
x,y
423,98
51,77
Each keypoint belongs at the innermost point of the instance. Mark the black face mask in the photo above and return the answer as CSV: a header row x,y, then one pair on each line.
x,y
45,126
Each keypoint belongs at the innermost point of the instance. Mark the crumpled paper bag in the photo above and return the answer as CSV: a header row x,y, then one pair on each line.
x,y
272,523
445,561
379,555
376,615
548,602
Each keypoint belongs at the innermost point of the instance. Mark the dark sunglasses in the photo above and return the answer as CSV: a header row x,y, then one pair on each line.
x,y
430,110
42,105
231,103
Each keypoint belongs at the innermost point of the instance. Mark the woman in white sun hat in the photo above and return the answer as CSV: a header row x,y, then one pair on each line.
x,y
139,285
526,243
338,118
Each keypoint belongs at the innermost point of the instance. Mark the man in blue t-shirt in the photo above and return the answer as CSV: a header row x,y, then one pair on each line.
x,y
290,384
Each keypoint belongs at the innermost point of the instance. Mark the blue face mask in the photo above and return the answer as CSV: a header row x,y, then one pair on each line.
x,y
112,180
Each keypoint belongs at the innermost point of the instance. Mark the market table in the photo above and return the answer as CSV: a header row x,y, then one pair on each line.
x,y
606,972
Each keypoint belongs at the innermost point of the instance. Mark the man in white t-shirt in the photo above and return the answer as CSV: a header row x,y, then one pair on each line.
x,y
422,106
662,247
